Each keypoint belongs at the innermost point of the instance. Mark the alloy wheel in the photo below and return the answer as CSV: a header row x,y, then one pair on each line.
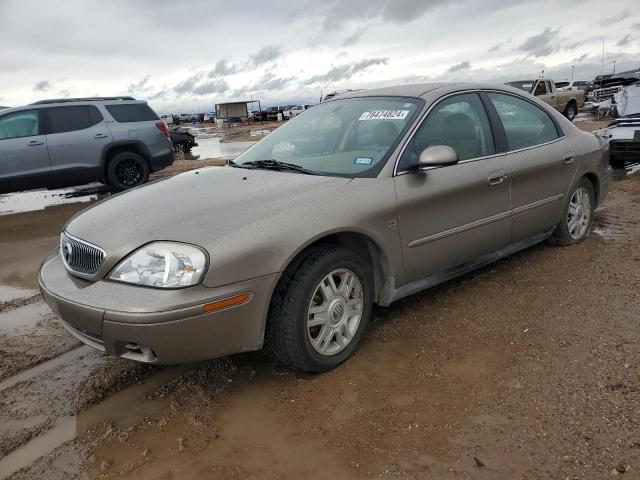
x,y
579,214
334,312
129,172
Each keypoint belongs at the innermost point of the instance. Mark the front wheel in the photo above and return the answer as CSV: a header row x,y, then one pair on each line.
x,y
320,309
578,215
127,170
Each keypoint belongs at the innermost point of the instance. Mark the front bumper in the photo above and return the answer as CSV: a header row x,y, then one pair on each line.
x,y
153,325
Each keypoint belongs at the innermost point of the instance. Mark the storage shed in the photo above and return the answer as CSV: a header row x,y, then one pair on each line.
x,y
234,111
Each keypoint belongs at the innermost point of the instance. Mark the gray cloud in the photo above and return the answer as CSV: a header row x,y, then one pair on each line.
x,y
355,36
466,65
605,22
346,71
187,85
213,86
64,93
636,26
542,44
499,45
140,86
265,54
224,68
42,86
624,41
335,14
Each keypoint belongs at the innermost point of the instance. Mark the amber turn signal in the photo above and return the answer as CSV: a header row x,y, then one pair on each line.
x,y
226,303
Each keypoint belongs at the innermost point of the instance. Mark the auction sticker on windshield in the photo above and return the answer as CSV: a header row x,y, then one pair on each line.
x,y
385,115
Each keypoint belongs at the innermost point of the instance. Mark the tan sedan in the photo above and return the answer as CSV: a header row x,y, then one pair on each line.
x,y
360,200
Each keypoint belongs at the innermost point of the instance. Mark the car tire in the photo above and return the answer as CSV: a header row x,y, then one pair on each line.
x,y
127,170
320,309
570,111
577,215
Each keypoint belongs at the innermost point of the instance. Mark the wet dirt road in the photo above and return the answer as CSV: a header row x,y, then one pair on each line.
x,y
528,368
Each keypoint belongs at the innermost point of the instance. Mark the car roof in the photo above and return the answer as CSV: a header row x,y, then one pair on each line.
x,y
423,89
72,102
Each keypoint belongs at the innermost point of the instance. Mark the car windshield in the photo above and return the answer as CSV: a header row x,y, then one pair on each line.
x,y
350,137
525,86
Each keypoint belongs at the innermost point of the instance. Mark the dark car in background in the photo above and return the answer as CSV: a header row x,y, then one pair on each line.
x,y
118,141
182,140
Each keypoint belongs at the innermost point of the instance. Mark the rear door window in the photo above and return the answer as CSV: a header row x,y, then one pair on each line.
x,y
525,124
132,112
71,118
19,124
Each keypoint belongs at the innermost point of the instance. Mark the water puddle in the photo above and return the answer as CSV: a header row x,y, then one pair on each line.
x,y
10,293
34,200
213,148
127,407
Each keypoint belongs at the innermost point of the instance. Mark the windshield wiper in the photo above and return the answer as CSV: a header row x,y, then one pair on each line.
x,y
275,165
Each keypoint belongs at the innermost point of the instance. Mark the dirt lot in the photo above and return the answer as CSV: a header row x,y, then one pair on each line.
x,y
528,368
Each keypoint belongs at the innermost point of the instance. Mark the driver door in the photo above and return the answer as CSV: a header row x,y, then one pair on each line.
x,y
451,215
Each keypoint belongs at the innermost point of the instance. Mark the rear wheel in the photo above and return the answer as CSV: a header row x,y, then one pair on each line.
x,y
578,216
320,309
570,111
127,170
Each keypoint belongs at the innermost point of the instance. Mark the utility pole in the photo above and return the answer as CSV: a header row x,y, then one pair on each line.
x,y
614,67
573,69
602,62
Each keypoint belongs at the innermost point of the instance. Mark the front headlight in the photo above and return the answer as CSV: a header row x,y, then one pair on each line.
x,y
162,265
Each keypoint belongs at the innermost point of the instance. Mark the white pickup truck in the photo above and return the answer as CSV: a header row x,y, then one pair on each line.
x,y
292,112
566,102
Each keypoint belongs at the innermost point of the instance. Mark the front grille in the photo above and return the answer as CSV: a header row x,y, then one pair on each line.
x,y
621,146
80,256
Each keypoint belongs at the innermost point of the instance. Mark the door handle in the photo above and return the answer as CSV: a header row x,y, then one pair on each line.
x,y
568,158
496,178
34,143
100,135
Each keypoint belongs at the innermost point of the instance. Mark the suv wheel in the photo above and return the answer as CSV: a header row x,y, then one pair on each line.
x,y
578,215
320,309
127,170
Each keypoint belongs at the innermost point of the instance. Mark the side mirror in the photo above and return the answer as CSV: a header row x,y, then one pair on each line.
x,y
438,155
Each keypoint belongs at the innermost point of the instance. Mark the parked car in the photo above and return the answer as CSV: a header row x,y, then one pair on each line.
x,y
168,119
573,85
182,140
293,111
363,200
55,143
209,117
566,102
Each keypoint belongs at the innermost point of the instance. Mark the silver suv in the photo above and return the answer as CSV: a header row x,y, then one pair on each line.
x,y
57,143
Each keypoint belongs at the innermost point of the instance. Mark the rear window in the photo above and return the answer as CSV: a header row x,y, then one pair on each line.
x,y
70,119
133,112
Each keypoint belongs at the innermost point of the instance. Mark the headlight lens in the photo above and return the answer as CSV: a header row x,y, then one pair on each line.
x,y
162,265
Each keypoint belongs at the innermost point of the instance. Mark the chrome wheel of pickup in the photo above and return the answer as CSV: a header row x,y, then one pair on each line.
x,y
334,312
579,213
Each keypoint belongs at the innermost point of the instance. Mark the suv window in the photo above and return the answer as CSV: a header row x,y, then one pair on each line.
x,y
132,112
525,124
459,122
19,124
71,119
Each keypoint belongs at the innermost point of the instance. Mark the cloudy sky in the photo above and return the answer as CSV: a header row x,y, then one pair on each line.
x,y
186,56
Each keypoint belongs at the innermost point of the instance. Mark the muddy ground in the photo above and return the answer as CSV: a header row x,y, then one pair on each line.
x,y
528,368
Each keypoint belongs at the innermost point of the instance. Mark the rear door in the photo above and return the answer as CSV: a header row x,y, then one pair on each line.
x,y
136,122
451,215
76,137
24,159
542,162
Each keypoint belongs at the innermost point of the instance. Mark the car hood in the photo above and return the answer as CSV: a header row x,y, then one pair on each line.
x,y
200,207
